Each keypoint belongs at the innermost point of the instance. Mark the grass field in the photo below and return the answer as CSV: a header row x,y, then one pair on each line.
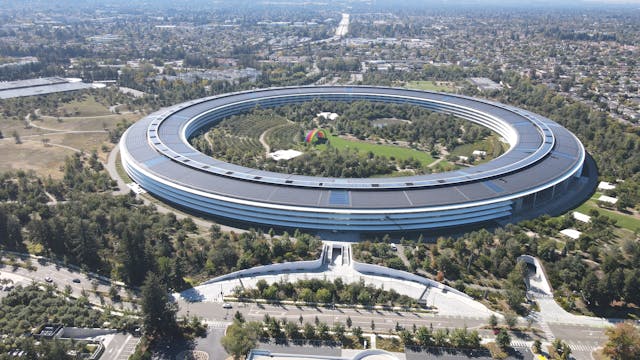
x,y
628,222
85,124
492,145
399,153
87,107
430,86
32,155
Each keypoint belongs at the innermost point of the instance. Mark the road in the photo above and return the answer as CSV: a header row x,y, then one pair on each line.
x,y
384,320
210,344
343,27
62,277
583,339
118,346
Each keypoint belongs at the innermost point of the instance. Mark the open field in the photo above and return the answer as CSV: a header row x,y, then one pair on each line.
x,y
629,222
399,153
32,154
8,126
431,86
492,145
87,107
85,123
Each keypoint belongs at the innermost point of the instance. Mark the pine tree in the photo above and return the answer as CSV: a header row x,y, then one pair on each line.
x,y
158,314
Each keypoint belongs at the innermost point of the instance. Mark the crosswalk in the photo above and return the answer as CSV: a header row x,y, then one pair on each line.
x,y
548,334
218,324
583,347
574,346
520,343
128,348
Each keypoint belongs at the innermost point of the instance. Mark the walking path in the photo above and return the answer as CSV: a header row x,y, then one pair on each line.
x,y
336,262
265,145
550,312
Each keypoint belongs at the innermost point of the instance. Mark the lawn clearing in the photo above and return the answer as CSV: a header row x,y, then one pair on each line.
x,y
85,124
492,145
32,155
86,107
628,222
389,151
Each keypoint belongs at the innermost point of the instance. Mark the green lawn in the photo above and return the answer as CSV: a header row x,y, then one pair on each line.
x,y
628,222
399,153
492,145
429,86
86,107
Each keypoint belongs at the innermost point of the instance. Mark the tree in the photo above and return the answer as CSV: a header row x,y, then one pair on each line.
x,y
239,317
424,336
537,346
503,339
55,350
511,320
623,342
158,314
357,332
323,296
560,350
291,330
309,331
239,340
323,331
16,137
274,329
306,295
338,331
493,321
440,338
399,327
407,337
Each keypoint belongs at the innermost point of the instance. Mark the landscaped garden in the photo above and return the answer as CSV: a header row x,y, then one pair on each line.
x,y
365,139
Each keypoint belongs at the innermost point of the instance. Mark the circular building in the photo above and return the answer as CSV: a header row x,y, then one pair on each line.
x,y
542,162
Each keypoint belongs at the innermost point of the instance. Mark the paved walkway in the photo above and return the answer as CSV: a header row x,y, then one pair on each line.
x,y
113,172
341,265
539,288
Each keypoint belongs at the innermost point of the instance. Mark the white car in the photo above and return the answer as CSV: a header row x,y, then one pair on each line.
x,y
48,279
226,306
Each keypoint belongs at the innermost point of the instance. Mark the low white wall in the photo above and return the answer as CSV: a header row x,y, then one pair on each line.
x,y
403,275
543,283
295,266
